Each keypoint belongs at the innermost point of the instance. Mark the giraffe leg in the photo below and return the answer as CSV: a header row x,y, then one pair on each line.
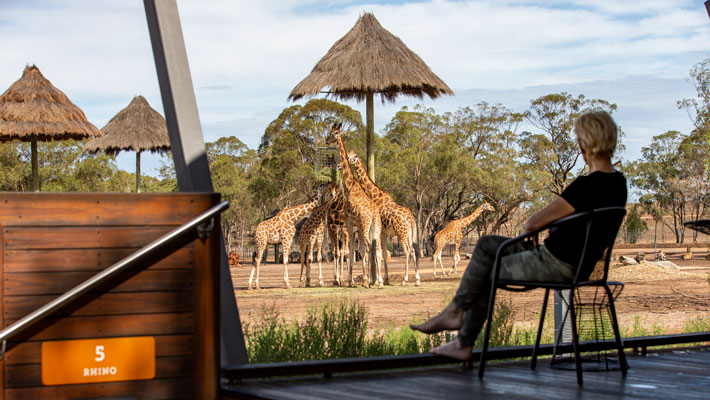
x,y
364,254
413,252
437,257
254,266
260,247
301,276
286,250
457,257
309,260
351,251
383,242
406,250
378,262
344,252
319,258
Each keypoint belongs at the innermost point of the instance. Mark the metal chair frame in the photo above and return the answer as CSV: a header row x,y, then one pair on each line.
x,y
519,286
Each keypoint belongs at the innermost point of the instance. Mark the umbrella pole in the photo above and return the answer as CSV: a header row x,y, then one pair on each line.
x,y
370,117
370,135
138,171
35,164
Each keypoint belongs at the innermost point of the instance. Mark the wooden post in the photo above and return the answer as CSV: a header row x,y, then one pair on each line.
x,y
370,141
138,171
206,314
370,117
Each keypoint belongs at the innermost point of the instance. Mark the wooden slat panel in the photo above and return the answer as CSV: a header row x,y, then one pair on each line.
x,y
150,389
84,259
119,325
61,209
58,283
27,375
2,318
165,346
107,304
84,237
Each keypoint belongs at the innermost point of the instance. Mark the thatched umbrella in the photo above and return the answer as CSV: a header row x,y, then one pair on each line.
x,y
33,110
137,127
368,60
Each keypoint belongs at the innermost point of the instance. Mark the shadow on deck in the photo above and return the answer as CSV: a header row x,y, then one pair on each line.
x,y
677,374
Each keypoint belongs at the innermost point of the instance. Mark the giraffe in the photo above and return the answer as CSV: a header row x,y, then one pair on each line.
x,y
311,237
396,220
280,229
338,235
362,215
453,234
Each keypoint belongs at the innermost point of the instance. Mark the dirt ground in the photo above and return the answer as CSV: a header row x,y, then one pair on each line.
x,y
652,295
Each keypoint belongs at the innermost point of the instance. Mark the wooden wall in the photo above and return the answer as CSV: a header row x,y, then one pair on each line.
x,y
52,242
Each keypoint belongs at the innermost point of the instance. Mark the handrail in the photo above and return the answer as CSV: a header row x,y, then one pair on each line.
x,y
150,249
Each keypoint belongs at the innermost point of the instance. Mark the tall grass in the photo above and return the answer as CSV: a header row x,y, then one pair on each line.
x,y
339,329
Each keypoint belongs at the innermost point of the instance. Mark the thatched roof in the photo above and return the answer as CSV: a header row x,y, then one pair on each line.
x,y
32,106
370,58
137,127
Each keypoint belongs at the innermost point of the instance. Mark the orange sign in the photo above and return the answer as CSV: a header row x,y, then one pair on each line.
x,y
98,360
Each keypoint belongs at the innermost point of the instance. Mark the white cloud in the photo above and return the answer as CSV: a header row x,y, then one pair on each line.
x,y
246,56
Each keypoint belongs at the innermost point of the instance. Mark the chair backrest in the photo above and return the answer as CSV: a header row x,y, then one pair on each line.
x,y
602,226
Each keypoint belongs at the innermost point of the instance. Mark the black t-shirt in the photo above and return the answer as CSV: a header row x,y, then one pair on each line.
x,y
588,192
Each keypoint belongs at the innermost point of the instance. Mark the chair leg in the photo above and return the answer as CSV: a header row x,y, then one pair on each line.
x,y
533,362
487,332
623,365
575,338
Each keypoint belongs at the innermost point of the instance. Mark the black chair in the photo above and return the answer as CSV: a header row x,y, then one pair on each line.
x,y
605,227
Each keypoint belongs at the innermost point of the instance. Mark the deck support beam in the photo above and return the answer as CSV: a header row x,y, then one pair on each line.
x,y
188,149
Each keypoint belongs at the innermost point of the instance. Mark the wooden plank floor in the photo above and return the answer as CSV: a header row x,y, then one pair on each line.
x,y
664,375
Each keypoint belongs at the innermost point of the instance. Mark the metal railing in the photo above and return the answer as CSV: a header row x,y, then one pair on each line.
x,y
154,251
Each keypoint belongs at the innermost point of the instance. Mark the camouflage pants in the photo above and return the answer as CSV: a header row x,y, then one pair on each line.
x,y
521,261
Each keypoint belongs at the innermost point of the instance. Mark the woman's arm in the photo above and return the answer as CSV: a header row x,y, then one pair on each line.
x,y
557,209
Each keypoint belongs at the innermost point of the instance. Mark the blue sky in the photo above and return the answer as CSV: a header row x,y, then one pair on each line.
x,y
246,56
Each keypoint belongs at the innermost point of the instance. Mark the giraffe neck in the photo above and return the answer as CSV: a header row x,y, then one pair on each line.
x,y
375,192
299,211
350,183
465,221
320,211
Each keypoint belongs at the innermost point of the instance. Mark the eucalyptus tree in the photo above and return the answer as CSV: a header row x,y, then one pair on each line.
x,y
425,169
671,174
698,108
552,147
498,173
231,166
287,153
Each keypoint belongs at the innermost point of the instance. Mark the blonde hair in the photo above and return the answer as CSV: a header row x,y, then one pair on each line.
x,y
597,134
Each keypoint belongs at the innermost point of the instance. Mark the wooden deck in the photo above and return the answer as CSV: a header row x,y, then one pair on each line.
x,y
661,375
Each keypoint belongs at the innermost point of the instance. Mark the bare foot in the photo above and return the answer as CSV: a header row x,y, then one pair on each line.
x,y
449,319
454,350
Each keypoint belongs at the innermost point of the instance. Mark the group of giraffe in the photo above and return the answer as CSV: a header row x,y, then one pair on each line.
x,y
367,215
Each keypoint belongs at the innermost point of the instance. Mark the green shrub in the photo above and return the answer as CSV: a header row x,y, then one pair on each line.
x,y
701,323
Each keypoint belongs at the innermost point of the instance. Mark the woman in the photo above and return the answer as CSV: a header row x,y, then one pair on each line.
x,y
602,186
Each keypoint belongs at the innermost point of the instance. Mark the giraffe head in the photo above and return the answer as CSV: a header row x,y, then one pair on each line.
x,y
332,189
487,207
352,157
333,134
